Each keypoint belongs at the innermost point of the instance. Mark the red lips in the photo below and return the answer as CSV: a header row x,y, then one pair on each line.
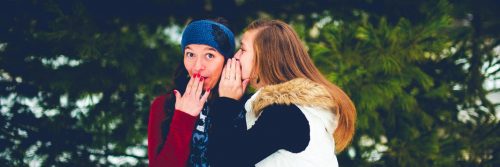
x,y
197,75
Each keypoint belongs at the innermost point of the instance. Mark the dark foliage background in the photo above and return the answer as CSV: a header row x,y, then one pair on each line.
x,y
77,77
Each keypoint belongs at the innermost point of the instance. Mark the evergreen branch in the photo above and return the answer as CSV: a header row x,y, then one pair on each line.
x,y
107,153
494,72
488,104
493,90
492,46
6,133
490,60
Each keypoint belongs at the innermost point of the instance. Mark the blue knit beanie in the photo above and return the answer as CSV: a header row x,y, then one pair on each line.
x,y
209,33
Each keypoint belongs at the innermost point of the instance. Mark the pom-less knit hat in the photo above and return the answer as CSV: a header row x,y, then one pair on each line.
x,y
209,33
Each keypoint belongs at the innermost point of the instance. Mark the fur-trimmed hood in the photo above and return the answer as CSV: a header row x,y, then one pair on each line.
x,y
309,96
299,91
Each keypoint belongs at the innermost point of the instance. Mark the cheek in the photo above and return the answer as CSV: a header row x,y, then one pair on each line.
x,y
188,66
246,67
246,71
215,70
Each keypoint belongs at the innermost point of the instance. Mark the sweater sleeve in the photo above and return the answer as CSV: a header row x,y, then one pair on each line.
x,y
175,151
156,116
278,127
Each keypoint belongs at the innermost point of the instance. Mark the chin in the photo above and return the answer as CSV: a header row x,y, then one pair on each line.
x,y
205,87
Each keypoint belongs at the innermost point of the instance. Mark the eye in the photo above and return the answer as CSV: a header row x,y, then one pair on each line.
x,y
210,56
189,55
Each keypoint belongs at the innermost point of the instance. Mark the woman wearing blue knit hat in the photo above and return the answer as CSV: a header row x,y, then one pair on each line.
x,y
179,121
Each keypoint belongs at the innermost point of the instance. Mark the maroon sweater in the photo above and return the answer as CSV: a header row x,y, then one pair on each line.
x,y
175,151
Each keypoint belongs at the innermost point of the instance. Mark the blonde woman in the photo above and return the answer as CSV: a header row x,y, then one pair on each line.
x,y
296,117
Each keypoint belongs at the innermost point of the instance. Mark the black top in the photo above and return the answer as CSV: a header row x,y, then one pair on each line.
x,y
278,127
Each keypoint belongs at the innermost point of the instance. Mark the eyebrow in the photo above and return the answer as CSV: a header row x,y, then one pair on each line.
x,y
207,48
210,48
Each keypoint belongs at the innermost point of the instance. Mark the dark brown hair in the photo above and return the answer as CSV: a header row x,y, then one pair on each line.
x,y
181,79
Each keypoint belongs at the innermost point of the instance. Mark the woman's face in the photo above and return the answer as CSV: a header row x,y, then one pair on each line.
x,y
205,61
246,55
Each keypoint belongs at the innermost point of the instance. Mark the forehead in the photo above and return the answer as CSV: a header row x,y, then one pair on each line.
x,y
248,37
200,47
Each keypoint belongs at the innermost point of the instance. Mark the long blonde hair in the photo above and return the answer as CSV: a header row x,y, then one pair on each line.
x,y
280,56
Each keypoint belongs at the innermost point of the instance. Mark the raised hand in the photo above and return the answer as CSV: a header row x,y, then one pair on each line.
x,y
230,84
192,102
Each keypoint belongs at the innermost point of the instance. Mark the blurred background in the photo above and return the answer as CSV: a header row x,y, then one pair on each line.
x,y
77,76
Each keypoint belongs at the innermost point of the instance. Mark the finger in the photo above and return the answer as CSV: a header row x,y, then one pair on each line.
x,y
199,89
177,95
238,71
205,97
177,98
190,83
194,87
221,79
244,84
228,72
233,70
223,75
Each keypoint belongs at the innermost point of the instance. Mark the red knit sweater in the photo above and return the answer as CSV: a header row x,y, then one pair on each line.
x,y
175,151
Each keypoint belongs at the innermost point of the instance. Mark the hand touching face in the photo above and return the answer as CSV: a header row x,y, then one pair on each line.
x,y
205,61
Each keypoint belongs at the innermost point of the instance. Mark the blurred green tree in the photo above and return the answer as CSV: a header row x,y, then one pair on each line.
x,y
77,77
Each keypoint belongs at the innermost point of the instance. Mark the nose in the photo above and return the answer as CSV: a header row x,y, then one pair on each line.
x,y
237,55
199,65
